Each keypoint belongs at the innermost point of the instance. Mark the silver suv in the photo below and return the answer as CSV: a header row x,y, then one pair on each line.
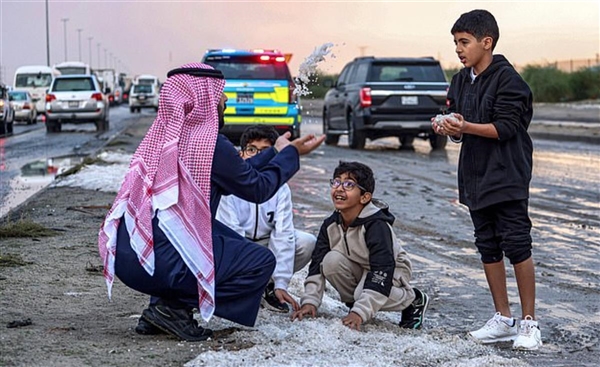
x,y
143,96
76,99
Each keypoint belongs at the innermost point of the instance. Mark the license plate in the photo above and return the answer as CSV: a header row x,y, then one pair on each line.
x,y
141,98
410,100
246,98
73,104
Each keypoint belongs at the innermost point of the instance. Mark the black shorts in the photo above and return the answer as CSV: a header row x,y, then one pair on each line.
x,y
503,229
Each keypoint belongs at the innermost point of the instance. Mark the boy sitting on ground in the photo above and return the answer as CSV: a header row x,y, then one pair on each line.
x,y
270,224
358,253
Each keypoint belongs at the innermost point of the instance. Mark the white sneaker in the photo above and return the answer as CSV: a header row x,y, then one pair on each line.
x,y
498,329
530,336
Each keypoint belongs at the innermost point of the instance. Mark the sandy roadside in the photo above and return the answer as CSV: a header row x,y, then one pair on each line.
x,y
55,283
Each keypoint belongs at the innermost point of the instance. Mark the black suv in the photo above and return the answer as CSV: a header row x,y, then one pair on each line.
x,y
380,97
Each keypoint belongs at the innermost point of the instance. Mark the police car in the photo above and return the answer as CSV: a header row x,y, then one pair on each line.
x,y
259,88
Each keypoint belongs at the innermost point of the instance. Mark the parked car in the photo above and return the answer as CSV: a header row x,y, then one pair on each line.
x,y
23,105
260,89
382,97
7,113
76,99
143,96
126,93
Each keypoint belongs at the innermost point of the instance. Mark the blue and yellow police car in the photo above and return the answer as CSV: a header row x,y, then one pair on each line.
x,y
259,88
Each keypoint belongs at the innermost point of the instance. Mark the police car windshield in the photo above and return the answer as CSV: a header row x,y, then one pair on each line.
x,y
250,67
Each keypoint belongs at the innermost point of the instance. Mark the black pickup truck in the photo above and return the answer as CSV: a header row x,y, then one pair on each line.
x,y
381,97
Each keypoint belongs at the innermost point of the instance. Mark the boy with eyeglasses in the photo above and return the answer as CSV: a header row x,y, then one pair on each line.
x,y
359,254
269,224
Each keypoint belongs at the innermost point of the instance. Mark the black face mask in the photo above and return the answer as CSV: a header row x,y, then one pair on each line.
x,y
221,113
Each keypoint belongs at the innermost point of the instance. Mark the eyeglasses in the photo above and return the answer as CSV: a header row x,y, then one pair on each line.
x,y
252,150
346,185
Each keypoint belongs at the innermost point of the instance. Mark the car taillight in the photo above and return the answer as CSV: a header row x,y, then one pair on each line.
x,y
97,96
111,98
365,97
50,97
125,95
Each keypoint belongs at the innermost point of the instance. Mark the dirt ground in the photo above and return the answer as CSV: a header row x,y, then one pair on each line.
x,y
54,309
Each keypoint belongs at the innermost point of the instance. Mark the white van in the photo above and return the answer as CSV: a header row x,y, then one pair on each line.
x,y
73,67
35,79
147,79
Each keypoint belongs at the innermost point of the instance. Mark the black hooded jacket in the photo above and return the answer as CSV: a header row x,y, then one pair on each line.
x,y
492,171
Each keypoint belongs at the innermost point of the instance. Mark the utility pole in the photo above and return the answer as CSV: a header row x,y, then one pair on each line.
x,y
79,40
98,55
65,20
47,36
105,60
362,50
90,44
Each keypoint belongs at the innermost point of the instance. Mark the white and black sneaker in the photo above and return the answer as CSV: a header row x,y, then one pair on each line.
x,y
271,302
413,315
529,336
498,329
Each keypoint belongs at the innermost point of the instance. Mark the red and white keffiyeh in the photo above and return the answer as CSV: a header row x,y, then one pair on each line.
x,y
169,175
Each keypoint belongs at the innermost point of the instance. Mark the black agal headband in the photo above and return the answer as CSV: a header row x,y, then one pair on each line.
x,y
208,73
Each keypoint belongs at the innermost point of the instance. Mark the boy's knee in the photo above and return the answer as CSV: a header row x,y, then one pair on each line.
x,y
490,255
332,262
518,254
517,246
305,243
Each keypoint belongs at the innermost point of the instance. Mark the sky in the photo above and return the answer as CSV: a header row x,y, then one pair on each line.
x,y
322,341
155,36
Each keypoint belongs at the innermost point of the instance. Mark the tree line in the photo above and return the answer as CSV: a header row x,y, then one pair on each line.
x,y
547,83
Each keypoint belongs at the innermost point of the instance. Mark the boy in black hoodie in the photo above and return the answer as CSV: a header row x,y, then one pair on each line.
x,y
492,109
358,253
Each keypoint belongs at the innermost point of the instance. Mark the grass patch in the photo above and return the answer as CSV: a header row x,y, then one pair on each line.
x,y
86,162
24,228
10,260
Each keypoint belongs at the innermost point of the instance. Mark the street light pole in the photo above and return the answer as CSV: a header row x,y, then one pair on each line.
x,y
98,53
65,20
90,44
105,59
79,40
47,37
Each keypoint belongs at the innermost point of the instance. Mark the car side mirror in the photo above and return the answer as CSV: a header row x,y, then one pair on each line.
x,y
328,83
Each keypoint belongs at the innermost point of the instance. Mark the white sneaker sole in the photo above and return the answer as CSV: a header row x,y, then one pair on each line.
x,y
495,340
524,348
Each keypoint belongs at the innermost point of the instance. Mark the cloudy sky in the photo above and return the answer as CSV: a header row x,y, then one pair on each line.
x,y
154,36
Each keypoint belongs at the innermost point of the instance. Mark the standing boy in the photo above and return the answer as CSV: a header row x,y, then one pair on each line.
x,y
358,253
493,109
270,224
